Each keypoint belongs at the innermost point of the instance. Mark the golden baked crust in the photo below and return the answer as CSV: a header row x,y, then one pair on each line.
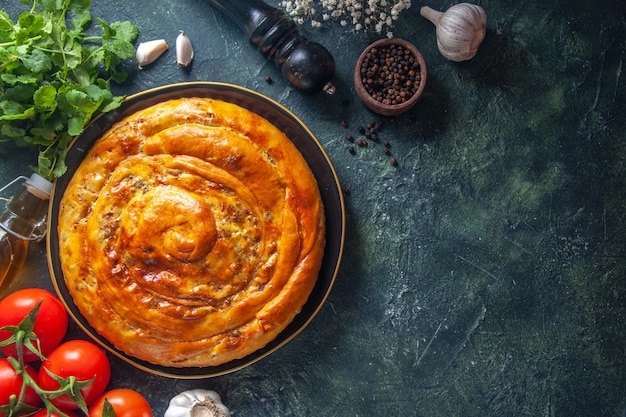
x,y
192,233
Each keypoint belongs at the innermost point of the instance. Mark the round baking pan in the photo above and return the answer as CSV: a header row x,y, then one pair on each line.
x,y
298,133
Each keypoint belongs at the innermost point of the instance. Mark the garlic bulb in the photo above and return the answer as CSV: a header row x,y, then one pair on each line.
x,y
184,50
148,52
460,30
197,403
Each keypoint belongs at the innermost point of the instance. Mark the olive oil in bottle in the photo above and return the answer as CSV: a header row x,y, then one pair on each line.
x,y
23,220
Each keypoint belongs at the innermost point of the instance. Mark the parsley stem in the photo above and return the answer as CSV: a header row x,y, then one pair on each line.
x,y
64,9
14,43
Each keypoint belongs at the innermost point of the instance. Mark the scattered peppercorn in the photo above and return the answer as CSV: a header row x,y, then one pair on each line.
x,y
390,74
268,79
370,134
344,123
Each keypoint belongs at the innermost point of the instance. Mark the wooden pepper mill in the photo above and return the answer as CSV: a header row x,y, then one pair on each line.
x,y
306,65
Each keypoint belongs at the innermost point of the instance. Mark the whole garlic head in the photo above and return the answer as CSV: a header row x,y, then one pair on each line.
x,y
197,403
460,30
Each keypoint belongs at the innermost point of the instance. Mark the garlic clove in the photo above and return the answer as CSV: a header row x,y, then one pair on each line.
x,y
148,52
460,29
184,50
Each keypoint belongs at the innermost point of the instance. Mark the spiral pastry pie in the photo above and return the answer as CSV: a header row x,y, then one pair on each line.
x,y
192,233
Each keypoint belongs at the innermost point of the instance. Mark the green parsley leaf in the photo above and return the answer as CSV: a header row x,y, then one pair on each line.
x,y
55,77
45,99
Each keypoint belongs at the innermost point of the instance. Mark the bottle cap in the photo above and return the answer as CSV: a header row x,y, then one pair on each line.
x,y
40,184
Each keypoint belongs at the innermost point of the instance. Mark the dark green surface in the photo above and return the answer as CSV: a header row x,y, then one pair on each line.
x,y
483,276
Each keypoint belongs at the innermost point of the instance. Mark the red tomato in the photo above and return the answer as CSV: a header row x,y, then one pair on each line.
x,y
44,413
82,360
11,384
125,402
50,324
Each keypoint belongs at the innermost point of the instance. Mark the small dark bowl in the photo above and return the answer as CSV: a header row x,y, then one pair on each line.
x,y
377,106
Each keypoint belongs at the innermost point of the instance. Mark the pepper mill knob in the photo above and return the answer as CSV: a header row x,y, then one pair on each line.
x,y
306,65
310,68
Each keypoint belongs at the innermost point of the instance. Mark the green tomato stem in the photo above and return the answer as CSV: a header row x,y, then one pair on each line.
x,y
69,386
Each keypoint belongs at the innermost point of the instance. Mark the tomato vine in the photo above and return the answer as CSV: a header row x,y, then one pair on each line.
x,y
23,335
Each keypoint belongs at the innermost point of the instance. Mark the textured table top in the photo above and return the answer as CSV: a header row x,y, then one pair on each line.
x,y
484,274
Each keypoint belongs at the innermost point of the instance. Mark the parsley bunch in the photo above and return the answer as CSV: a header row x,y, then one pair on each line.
x,y
55,77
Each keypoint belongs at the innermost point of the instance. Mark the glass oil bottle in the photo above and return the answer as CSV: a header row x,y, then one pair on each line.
x,y
22,220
